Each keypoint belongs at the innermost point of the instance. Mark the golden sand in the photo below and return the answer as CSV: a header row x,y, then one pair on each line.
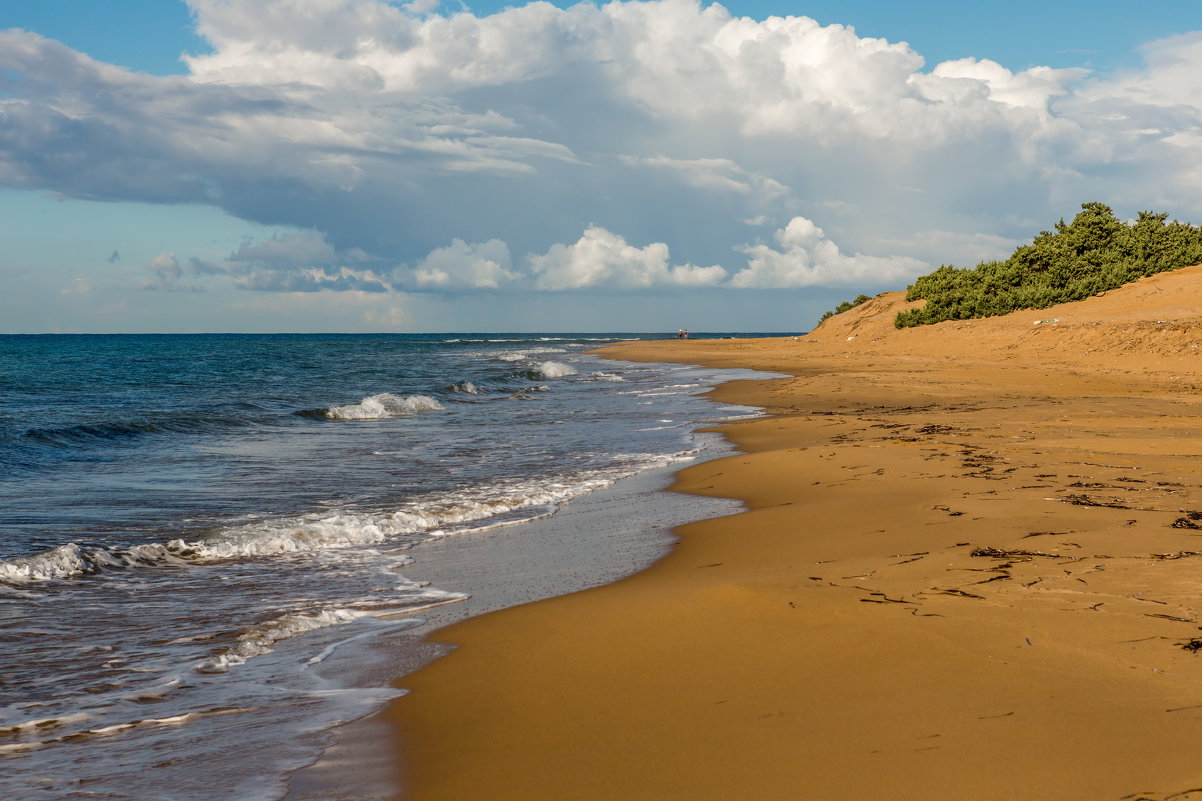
x,y
966,572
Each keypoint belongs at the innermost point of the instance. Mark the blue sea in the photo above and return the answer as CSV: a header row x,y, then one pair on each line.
x,y
191,525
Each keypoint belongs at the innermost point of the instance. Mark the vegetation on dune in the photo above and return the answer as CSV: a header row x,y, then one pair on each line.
x,y
844,306
1093,253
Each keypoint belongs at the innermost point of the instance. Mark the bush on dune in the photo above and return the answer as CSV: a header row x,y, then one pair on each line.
x,y
846,305
1093,253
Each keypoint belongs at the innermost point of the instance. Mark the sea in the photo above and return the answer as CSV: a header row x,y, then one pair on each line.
x,y
193,528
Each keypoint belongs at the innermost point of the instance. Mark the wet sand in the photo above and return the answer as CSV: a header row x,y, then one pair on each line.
x,y
970,562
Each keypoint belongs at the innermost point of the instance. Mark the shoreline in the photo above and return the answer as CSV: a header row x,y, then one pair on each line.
x,y
591,540
960,575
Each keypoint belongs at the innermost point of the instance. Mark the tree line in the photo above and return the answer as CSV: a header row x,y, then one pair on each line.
x,y
1095,252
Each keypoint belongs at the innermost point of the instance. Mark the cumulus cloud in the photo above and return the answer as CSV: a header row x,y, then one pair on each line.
x,y
460,265
601,258
808,258
302,262
395,130
295,262
166,272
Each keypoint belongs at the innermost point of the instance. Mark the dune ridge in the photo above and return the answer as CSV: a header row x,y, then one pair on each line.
x,y
970,568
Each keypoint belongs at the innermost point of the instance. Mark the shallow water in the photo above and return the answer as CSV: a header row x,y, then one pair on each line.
x,y
194,529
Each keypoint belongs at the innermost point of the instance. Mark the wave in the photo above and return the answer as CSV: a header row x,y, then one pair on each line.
x,y
465,387
554,370
258,640
280,538
118,430
383,406
496,504
601,375
525,354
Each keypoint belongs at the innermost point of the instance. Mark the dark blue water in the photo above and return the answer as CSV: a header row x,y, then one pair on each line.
x,y
188,524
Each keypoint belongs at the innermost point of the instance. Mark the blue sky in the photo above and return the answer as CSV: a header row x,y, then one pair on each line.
x,y
348,165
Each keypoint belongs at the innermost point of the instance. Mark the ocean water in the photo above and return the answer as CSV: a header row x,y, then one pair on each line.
x,y
191,525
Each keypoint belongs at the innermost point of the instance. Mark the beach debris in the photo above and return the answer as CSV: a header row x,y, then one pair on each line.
x,y
1085,500
1001,577
1177,555
1192,520
1002,553
994,717
1193,646
961,594
1045,534
1183,708
1173,618
881,598
934,428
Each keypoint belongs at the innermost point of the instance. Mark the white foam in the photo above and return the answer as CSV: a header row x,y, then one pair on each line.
x,y
384,406
260,639
601,375
496,504
61,562
526,354
555,370
466,387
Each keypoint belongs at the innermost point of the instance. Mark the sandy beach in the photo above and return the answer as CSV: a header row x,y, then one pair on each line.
x,y
969,569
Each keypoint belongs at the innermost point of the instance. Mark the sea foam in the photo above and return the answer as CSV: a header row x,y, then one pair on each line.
x,y
555,370
258,640
384,406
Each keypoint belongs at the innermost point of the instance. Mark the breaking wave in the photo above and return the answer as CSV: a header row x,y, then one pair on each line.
x,y
384,406
554,370
498,504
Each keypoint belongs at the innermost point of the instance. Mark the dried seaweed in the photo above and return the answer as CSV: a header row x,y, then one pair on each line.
x,y
1085,500
1001,553
1192,520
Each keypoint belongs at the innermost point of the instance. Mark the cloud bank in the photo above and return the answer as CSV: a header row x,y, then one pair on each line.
x,y
616,146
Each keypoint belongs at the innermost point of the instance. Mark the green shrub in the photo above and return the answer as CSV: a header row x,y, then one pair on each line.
x,y
845,306
1093,253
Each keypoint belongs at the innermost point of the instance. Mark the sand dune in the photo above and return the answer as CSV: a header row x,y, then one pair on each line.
x,y
971,568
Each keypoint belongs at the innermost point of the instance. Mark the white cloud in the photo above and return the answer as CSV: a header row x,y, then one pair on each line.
x,y
297,262
601,258
808,258
460,265
952,247
396,129
719,174
166,270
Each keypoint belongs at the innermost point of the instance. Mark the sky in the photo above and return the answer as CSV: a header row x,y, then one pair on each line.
x,y
364,165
